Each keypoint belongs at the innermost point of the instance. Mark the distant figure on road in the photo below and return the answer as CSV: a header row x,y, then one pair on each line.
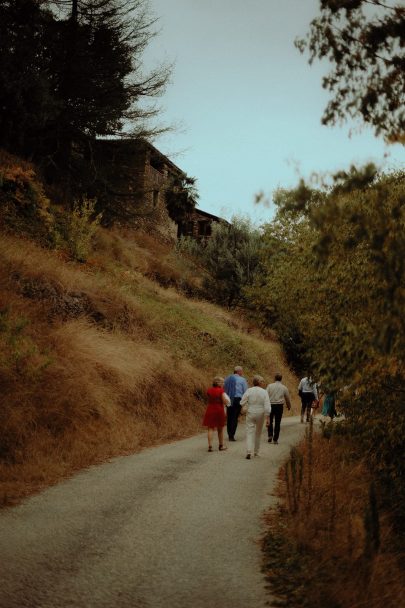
x,y
329,406
308,392
257,403
278,395
215,417
235,386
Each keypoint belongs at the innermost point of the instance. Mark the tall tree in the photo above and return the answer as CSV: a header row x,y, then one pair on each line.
x,y
72,70
98,69
364,40
27,102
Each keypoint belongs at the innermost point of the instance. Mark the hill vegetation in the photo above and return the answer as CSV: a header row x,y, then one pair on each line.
x,y
104,352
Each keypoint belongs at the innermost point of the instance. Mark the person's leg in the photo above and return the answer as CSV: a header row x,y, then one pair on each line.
x,y
270,427
307,399
250,433
302,409
278,414
210,435
221,438
230,421
309,407
258,434
237,406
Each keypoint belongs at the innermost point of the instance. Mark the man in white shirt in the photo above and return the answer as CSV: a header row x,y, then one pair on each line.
x,y
278,395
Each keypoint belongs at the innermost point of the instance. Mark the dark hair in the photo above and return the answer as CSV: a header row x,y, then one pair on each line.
x,y
278,376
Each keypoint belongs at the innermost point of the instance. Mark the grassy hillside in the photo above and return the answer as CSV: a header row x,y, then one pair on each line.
x,y
103,356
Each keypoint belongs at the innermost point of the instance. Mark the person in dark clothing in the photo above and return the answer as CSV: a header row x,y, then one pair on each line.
x,y
308,392
235,386
278,395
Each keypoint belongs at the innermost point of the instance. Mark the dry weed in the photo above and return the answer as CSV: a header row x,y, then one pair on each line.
x,y
326,535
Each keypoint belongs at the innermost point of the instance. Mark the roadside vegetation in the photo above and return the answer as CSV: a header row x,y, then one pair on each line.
x,y
328,543
333,289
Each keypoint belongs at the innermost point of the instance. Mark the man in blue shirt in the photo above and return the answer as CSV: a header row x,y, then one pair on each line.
x,y
235,386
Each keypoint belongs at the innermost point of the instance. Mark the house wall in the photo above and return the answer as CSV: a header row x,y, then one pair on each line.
x,y
135,178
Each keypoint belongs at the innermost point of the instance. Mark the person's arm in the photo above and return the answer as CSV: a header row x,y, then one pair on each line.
x,y
287,398
225,399
267,405
245,398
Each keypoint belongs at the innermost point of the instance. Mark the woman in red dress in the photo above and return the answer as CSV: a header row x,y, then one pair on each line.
x,y
215,417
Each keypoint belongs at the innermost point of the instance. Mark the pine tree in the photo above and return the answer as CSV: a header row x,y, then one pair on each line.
x,y
27,103
71,70
98,73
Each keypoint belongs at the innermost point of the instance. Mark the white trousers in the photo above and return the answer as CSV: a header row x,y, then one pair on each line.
x,y
254,427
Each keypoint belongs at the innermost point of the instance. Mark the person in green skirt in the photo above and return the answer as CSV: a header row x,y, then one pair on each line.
x,y
328,408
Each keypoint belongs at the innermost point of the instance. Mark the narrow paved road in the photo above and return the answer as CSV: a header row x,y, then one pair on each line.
x,y
172,527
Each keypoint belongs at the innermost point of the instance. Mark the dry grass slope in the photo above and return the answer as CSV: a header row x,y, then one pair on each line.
x,y
108,356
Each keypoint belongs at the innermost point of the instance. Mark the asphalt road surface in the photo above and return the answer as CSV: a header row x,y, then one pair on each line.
x,y
173,526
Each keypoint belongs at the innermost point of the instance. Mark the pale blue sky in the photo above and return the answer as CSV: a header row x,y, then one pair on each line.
x,y
248,103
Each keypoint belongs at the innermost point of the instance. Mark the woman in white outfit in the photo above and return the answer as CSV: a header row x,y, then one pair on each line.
x,y
257,402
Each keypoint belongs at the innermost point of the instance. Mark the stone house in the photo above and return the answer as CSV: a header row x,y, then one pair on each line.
x,y
133,186
198,225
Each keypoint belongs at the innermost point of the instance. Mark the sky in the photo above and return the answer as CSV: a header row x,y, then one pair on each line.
x,y
246,105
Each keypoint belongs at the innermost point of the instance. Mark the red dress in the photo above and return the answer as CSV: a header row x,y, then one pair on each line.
x,y
214,414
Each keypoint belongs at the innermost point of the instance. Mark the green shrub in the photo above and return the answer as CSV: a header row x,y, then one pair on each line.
x,y
332,288
76,229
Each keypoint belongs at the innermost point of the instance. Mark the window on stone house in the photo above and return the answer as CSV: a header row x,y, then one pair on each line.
x,y
155,197
204,228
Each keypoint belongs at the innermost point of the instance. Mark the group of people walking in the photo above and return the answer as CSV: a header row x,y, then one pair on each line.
x,y
228,397
260,405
